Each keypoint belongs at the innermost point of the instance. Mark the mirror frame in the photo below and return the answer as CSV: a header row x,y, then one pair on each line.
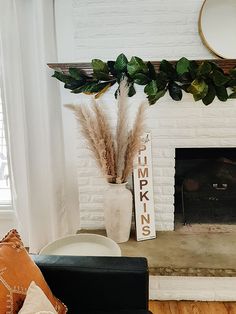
x,y
203,38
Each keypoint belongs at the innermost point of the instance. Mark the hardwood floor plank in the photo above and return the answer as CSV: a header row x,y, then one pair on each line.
x,y
191,307
204,307
153,306
173,307
217,308
160,307
184,307
231,307
200,307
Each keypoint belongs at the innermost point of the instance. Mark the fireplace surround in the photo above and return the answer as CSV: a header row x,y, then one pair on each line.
x,y
173,125
193,126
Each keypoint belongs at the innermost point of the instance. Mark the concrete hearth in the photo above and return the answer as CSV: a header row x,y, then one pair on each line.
x,y
176,253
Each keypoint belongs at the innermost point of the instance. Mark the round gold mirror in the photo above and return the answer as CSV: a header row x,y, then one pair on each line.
x,y
217,27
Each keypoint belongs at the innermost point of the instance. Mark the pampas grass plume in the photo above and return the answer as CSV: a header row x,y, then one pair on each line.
x,y
114,155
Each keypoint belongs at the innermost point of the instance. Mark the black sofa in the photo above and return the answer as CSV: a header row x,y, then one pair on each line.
x,y
98,285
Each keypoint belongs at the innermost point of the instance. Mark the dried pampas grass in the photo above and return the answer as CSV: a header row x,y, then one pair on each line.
x,y
114,155
122,130
134,141
104,132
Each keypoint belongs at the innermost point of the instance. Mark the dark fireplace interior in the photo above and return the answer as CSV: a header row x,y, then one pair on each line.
x,y
205,185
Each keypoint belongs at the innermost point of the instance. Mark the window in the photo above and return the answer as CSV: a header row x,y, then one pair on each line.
x,y
5,184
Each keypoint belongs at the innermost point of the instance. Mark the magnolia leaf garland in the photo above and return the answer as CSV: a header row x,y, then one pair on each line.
x,y
204,81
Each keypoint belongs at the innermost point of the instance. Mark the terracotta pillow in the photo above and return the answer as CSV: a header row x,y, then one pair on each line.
x,y
17,270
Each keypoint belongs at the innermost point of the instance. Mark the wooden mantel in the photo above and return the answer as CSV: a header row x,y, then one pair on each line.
x,y
224,64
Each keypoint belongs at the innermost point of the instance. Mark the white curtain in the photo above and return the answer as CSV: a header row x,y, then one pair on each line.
x,y
34,120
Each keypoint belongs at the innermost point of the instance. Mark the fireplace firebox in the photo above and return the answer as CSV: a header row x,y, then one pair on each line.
x,y
205,185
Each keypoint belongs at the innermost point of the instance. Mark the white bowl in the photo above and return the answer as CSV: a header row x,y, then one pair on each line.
x,y
84,244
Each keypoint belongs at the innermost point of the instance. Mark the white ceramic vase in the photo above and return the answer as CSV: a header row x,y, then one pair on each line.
x,y
118,212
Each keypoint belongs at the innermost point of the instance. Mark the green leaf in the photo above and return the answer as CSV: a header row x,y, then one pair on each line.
x,y
153,93
91,88
233,73
151,88
100,70
76,74
121,63
103,90
97,87
193,67
74,85
161,80
79,79
154,98
168,68
111,65
151,70
70,82
204,68
215,67
82,88
210,96
233,95
231,83
116,93
101,76
99,66
63,77
219,78
182,66
175,91
221,93
185,87
198,88
132,90
185,78
136,65
141,79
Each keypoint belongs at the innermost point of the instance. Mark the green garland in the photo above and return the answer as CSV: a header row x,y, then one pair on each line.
x,y
204,81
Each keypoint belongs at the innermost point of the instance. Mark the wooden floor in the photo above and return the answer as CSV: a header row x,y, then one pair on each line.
x,y
191,307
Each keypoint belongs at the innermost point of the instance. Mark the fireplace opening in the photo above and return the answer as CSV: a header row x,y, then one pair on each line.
x,y
205,185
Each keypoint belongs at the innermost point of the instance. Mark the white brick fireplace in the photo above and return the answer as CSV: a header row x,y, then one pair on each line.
x,y
173,125
153,30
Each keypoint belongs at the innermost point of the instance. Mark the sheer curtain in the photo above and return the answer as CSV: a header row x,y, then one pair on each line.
x,y
34,119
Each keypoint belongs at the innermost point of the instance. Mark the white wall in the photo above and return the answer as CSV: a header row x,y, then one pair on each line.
x,y
152,30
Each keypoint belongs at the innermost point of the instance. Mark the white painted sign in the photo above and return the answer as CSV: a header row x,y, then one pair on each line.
x,y
143,192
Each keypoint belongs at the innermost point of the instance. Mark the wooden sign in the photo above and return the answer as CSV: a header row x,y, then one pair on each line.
x,y
143,192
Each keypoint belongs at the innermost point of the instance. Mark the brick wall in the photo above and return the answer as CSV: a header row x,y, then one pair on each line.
x,y
153,30
173,124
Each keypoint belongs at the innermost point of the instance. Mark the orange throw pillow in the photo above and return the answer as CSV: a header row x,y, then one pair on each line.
x,y
17,270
